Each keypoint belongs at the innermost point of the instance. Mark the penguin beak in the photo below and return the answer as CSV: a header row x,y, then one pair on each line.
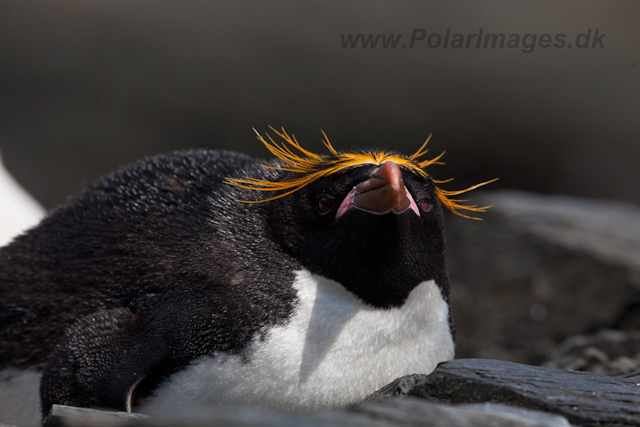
x,y
381,194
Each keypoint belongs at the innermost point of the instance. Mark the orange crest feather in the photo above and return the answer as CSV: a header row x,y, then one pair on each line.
x,y
313,167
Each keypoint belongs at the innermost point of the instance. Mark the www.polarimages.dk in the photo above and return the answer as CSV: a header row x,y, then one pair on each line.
x,y
420,37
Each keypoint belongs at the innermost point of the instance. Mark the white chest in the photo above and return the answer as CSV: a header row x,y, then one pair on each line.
x,y
334,351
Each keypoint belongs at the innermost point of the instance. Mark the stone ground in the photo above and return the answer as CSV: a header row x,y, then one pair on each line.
x,y
548,280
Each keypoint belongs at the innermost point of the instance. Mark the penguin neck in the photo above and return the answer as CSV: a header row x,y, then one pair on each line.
x,y
378,258
384,266
385,279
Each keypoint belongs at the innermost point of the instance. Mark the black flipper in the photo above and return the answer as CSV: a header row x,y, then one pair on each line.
x,y
100,360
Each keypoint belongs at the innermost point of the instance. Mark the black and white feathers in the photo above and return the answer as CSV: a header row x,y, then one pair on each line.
x,y
174,283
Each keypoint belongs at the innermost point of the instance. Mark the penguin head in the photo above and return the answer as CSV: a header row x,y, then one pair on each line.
x,y
372,221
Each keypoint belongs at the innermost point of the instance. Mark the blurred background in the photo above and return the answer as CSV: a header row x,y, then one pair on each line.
x,y
88,86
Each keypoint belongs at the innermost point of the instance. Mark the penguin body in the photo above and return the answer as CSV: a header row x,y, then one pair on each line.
x,y
158,287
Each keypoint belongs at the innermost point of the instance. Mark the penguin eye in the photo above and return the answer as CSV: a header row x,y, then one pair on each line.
x,y
325,204
424,205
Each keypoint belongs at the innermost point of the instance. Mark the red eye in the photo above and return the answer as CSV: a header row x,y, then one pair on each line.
x,y
325,204
424,205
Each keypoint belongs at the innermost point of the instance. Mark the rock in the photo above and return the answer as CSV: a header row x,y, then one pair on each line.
x,y
540,269
68,416
417,412
517,415
607,352
585,399
386,413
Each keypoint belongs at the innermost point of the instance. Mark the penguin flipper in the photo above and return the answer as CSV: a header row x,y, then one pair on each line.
x,y
99,362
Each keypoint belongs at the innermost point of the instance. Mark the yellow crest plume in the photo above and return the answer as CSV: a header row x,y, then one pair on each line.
x,y
313,167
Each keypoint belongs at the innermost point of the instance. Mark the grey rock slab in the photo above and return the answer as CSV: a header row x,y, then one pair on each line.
x,y
517,415
412,411
254,417
69,416
584,398
384,413
609,352
608,230
539,269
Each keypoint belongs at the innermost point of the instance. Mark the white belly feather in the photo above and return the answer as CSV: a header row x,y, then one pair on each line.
x,y
334,351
